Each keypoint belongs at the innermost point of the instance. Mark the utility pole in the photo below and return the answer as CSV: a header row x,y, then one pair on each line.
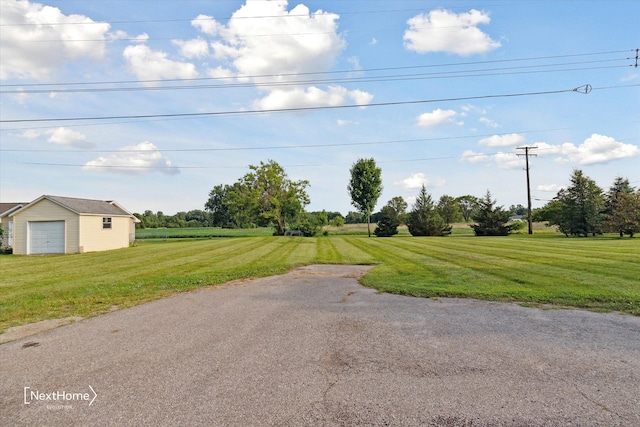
x,y
526,155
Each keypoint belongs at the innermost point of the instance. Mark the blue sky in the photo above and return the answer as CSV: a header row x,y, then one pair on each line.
x,y
439,93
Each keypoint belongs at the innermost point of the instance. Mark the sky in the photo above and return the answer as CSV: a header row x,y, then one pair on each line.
x,y
152,103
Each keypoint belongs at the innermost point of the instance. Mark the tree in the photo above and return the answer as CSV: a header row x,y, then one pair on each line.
x,y
546,213
424,219
622,209
449,209
365,187
388,222
399,205
354,218
491,220
242,203
580,207
309,223
517,210
278,199
468,206
390,217
337,221
217,205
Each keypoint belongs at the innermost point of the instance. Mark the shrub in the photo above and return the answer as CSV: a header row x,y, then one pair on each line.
x,y
388,223
491,220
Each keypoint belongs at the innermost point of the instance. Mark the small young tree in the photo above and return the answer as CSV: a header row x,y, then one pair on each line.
x,y
388,223
424,219
365,187
491,220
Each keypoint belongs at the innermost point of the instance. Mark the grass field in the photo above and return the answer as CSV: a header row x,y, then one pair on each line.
x,y
599,273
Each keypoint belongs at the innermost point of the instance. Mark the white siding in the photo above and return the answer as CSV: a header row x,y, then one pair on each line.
x,y
93,237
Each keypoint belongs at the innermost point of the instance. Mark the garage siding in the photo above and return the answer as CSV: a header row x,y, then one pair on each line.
x,y
94,237
44,210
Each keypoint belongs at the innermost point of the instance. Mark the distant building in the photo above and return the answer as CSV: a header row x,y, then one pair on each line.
x,y
7,209
65,225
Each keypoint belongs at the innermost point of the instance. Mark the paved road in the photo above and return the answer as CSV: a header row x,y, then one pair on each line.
x,y
313,347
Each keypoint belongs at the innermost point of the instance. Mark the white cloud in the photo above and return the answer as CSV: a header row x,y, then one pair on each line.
x,y
35,44
549,188
360,97
416,180
138,159
195,48
509,161
279,41
147,64
355,63
509,140
31,134
473,108
312,96
220,73
488,122
373,42
61,136
346,122
69,138
594,150
436,117
445,31
206,24
473,157
502,160
263,38
122,35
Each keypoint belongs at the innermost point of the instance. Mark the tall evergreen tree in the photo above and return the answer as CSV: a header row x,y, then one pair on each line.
x,y
580,207
622,208
424,219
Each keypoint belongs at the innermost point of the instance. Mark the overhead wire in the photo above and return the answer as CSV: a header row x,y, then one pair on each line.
x,y
486,72
580,89
333,72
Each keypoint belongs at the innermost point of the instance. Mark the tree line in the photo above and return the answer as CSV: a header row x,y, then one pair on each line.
x,y
267,197
583,208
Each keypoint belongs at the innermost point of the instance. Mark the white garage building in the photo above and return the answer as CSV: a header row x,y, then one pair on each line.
x,y
65,225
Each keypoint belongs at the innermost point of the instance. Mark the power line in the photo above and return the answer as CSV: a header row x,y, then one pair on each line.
x,y
364,70
580,89
373,79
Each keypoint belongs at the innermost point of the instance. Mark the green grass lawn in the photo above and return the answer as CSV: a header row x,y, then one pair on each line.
x,y
600,273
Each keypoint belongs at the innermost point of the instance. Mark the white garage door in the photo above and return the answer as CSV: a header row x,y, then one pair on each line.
x,y
46,237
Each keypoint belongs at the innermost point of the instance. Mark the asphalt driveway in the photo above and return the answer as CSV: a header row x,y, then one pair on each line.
x,y
313,347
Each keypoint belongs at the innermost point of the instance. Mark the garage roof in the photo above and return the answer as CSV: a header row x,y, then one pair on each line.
x,y
85,206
